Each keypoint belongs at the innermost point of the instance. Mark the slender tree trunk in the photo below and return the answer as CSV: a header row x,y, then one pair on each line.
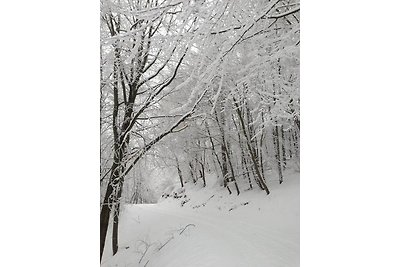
x,y
213,146
179,171
278,155
251,150
202,168
244,161
192,172
223,149
290,144
283,148
232,172
296,144
260,156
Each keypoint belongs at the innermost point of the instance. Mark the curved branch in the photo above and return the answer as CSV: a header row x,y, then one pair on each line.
x,y
289,12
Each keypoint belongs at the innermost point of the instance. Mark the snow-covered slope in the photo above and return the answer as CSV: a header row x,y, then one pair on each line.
x,y
213,228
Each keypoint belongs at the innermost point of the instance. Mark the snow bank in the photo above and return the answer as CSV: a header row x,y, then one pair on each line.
x,y
213,228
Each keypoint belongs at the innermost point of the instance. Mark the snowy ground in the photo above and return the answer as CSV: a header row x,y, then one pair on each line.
x,y
213,229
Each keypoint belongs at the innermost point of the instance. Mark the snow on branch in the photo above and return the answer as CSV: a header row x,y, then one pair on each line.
x,y
172,129
249,27
281,15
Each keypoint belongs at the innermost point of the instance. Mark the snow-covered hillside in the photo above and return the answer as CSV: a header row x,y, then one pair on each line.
x,y
207,227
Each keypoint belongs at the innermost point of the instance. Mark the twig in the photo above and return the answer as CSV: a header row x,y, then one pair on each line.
x,y
172,237
147,245
190,224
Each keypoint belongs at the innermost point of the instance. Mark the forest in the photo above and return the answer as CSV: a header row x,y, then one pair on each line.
x,y
194,93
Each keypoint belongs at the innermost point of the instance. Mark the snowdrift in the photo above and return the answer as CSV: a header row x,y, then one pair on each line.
x,y
205,226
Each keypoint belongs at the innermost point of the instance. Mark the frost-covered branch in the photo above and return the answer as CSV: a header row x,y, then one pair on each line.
x,y
161,136
287,13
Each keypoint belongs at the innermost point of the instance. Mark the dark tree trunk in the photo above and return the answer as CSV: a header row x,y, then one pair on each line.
x,y
192,172
107,206
260,156
224,151
283,148
296,144
115,229
121,131
225,167
203,174
277,154
232,172
104,219
251,150
213,146
244,161
290,144
179,171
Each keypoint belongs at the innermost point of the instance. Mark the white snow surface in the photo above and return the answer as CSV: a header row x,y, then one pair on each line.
x,y
213,228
